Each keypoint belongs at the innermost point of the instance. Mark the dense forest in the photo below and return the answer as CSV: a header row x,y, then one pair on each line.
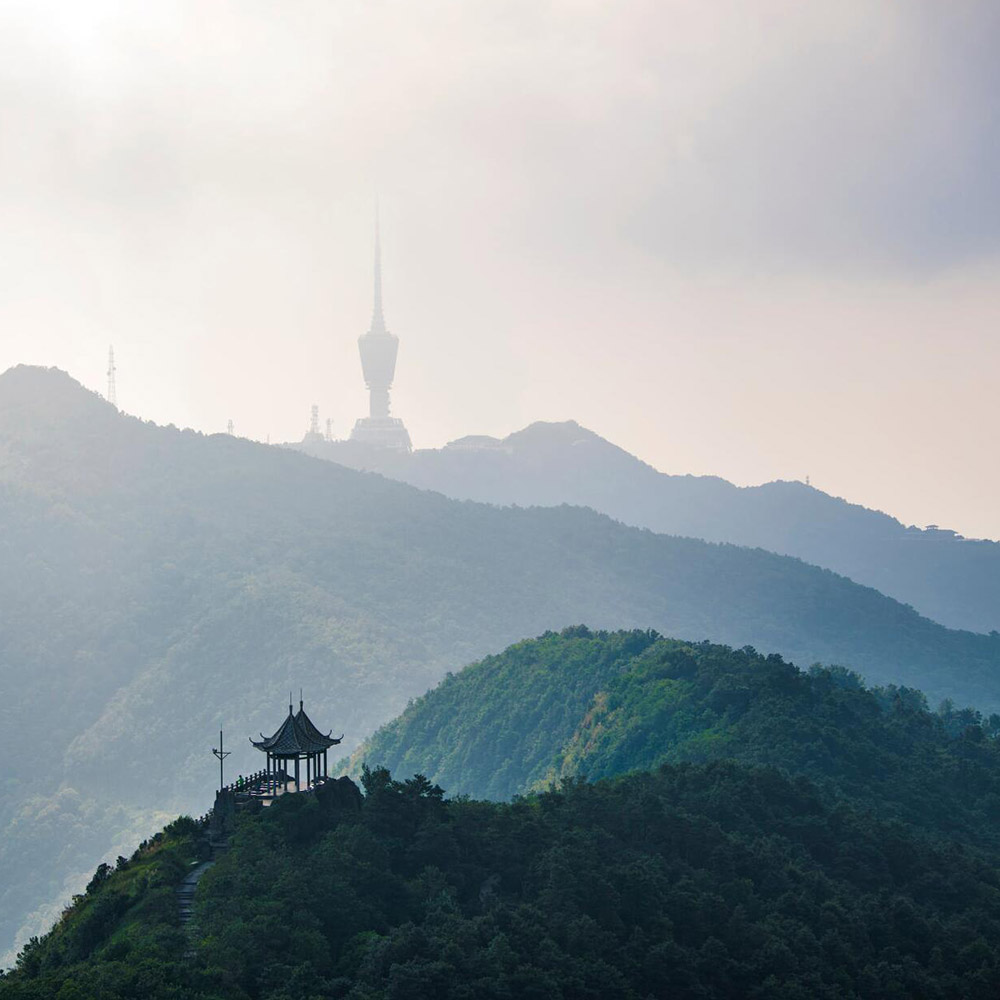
x,y
696,881
756,831
954,580
159,585
601,704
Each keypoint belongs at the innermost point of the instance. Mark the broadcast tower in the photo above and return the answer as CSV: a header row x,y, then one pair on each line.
x,y
378,349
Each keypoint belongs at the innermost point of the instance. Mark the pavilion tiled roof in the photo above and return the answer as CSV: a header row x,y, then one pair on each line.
x,y
296,735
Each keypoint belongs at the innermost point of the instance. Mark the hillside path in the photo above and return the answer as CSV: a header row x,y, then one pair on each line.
x,y
186,891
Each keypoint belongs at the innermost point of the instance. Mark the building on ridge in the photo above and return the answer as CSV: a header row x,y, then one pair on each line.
x,y
313,436
296,740
378,348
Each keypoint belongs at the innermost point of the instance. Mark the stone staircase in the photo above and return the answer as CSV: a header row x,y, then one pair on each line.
x,y
185,899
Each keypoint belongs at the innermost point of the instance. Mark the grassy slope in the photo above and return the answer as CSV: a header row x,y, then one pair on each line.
x,y
119,937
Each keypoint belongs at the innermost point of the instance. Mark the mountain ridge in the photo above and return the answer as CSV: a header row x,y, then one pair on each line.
x,y
160,584
600,704
951,579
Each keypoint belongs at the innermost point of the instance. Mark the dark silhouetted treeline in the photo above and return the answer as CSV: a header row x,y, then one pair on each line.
x,y
696,881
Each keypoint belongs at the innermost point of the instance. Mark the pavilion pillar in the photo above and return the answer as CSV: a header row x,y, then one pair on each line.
x,y
297,741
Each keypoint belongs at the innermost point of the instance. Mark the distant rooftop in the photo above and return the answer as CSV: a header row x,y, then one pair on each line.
x,y
477,442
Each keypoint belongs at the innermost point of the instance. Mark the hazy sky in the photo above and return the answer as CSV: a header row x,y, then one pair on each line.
x,y
748,238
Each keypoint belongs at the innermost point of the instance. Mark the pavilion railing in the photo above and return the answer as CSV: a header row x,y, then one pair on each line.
x,y
259,783
263,783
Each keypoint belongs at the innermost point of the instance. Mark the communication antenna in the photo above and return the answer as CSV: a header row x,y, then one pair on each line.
x,y
222,755
112,389
229,427
314,420
329,429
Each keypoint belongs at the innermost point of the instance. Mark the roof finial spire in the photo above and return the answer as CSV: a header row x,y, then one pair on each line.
x,y
378,320
300,699
289,702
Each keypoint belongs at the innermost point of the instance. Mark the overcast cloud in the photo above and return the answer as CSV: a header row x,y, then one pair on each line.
x,y
752,239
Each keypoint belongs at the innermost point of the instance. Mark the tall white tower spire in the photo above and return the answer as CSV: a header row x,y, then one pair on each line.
x,y
378,319
378,348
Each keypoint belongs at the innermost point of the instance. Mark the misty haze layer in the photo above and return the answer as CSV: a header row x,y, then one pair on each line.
x,y
750,240
159,585
953,580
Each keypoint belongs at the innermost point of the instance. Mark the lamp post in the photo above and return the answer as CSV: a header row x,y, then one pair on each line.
x,y
222,755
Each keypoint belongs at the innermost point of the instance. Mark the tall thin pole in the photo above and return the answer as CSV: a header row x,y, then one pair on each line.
x,y
112,388
222,755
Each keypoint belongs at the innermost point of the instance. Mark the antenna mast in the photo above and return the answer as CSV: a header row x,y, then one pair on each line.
x,y
112,389
222,755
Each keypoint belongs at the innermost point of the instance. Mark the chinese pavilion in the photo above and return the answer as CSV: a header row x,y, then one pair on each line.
x,y
298,740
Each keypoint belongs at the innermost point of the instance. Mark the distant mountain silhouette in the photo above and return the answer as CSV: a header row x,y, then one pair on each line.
x,y
954,580
157,585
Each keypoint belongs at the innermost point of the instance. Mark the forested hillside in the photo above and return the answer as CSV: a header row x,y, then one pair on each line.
x,y
954,580
778,834
603,704
158,585
698,881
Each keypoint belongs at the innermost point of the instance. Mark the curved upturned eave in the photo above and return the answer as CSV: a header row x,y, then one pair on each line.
x,y
296,735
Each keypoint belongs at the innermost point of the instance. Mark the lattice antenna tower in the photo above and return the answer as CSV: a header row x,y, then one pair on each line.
x,y
314,420
329,429
112,388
